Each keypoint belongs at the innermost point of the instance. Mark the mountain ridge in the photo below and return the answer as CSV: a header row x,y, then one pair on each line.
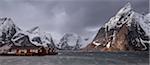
x,y
126,31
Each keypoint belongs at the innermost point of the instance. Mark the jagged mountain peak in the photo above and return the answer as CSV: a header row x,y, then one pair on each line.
x,y
127,8
7,22
34,30
124,15
127,30
3,19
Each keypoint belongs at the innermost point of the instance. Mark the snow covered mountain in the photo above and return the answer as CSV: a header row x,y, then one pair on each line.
x,y
11,35
70,41
127,30
33,37
7,30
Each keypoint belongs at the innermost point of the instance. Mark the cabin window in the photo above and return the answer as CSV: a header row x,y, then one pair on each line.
x,y
22,51
34,50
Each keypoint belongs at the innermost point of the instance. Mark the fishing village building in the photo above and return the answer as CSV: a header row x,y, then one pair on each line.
x,y
30,51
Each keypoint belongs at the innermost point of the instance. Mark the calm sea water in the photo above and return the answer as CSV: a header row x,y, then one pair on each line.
x,y
80,58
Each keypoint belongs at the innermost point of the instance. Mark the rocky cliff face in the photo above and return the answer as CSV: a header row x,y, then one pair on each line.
x,y
126,31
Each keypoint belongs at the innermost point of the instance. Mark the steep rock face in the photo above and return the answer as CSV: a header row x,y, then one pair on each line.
x,y
120,42
127,30
70,42
33,37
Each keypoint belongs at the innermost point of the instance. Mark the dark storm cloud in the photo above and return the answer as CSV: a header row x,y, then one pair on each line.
x,y
83,17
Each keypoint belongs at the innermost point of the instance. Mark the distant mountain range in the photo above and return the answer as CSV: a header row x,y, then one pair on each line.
x,y
12,35
126,31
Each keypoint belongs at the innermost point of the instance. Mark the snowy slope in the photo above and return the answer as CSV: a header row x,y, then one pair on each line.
x,y
7,30
35,37
147,22
70,41
148,16
10,33
124,15
143,22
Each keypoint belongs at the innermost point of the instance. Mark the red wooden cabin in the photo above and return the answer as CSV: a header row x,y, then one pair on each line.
x,y
30,50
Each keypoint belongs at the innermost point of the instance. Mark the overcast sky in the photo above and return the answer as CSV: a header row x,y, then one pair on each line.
x,y
83,17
